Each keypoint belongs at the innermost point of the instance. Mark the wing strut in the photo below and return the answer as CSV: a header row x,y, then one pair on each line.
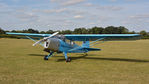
x,y
96,42
34,40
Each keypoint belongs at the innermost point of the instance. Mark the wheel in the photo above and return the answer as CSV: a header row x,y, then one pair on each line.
x,y
68,59
46,57
85,54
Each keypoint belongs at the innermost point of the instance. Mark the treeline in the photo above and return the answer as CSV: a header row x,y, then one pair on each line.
x,y
93,30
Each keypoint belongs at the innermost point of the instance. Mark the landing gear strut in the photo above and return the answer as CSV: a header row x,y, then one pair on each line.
x,y
68,59
47,56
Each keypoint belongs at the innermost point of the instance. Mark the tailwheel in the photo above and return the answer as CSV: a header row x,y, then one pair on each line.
x,y
46,57
68,59
85,54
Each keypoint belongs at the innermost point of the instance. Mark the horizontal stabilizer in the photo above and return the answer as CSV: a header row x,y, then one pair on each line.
x,y
92,49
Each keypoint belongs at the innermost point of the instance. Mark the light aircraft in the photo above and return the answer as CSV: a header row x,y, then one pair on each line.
x,y
66,43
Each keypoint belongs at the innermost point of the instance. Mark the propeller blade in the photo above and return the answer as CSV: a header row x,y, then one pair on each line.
x,y
38,42
53,34
44,39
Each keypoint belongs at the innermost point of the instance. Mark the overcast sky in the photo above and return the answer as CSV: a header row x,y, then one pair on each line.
x,y
70,14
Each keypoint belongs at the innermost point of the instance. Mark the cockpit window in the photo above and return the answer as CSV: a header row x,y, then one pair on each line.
x,y
70,42
60,37
64,39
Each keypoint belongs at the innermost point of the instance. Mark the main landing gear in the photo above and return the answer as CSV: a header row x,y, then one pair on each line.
x,y
47,56
68,59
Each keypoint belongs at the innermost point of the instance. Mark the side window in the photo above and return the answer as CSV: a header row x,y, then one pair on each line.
x,y
67,41
72,43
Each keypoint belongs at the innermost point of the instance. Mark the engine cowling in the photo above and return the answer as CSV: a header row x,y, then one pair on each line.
x,y
52,44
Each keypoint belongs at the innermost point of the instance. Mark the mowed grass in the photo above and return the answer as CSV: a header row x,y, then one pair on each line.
x,y
119,62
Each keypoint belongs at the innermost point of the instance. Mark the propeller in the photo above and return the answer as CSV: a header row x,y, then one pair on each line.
x,y
44,39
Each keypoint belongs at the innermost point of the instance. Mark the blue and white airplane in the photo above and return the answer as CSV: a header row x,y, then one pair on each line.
x,y
66,43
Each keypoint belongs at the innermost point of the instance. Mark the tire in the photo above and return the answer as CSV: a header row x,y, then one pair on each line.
x,y
45,58
68,59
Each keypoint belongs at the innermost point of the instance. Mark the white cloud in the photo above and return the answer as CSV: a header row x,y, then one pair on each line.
x,y
140,16
15,1
3,5
72,2
78,17
55,10
110,8
131,0
27,16
113,0
68,2
92,23
55,0
119,0
88,4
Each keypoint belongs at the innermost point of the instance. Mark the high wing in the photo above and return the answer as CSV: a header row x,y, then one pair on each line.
x,y
92,37
82,37
29,34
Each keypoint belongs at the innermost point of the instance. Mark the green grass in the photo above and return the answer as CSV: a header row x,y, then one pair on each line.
x,y
119,62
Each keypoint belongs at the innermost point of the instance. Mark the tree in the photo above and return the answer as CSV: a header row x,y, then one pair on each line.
x,y
144,33
84,31
123,30
133,32
50,32
2,31
13,31
66,32
42,32
80,31
30,30
96,30
111,30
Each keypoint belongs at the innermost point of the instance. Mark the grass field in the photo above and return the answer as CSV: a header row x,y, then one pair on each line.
x,y
119,62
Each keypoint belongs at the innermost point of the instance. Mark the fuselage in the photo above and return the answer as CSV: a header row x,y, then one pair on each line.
x,y
59,45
